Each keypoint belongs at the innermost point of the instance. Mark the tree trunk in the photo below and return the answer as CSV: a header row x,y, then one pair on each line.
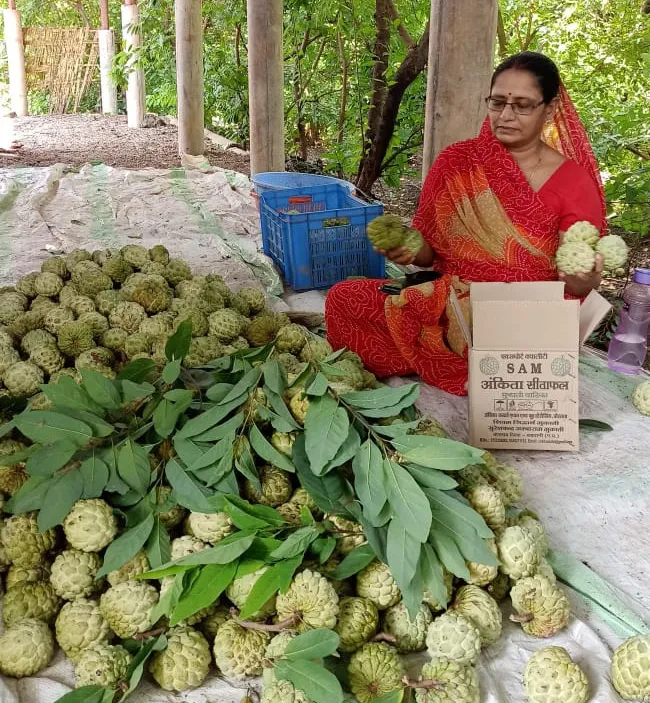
x,y
344,90
414,63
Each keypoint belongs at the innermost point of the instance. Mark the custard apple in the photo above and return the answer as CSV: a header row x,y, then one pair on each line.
x,y
55,264
102,665
107,300
374,670
377,584
24,543
171,514
210,625
315,349
537,532
117,268
505,477
23,378
310,597
459,684
431,601
73,574
186,545
159,254
80,625
74,257
261,330
95,321
90,525
239,590
30,600
542,608
239,653
202,351
481,610
641,398
185,663
298,405
26,574
135,255
500,587
413,241
614,251
225,325
386,232
150,291
127,315
358,621
283,442
582,232
48,284
488,503
283,692
631,669
278,644
210,528
517,552
290,363
75,337
452,636
410,635
8,358
552,677
26,285
573,258
56,317
48,358
290,339
138,343
26,647
254,297
276,487
176,271
90,279
139,564
546,570
350,534
127,607
483,574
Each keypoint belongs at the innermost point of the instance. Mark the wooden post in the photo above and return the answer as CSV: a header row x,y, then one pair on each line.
x,y
461,55
15,60
189,76
135,88
266,85
106,42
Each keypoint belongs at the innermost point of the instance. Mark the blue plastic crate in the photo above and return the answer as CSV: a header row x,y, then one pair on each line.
x,y
317,236
282,180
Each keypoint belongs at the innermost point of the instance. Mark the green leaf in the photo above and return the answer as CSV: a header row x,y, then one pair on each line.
x,y
407,500
267,585
368,467
431,478
172,371
380,397
449,554
64,492
217,392
212,456
30,496
169,599
137,371
318,386
100,427
354,562
251,517
126,546
274,376
165,417
136,667
392,697
207,420
212,581
285,421
392,410
69,394
403,552
228,549
158,545
223,430
326,428
595,425
316,644
323,547
47,427
178,345
318,684
432,574
136,391
245,464
101,389
397,429
133,466
265,450
296,543
87,694
327,491
47,460
245,385
457,514
95,475
346,452
437,452
186,491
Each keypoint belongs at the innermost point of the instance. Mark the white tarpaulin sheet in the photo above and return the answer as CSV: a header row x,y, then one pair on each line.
x,y
594,504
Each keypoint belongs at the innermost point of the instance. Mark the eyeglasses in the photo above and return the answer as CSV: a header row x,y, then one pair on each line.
x,y
499,105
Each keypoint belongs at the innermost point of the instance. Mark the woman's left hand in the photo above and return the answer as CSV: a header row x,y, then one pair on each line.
x,y
582,284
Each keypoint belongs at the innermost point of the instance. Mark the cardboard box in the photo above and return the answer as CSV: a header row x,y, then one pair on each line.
x,y
524,345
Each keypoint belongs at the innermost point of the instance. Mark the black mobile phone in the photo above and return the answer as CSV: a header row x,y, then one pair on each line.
x,y
411,279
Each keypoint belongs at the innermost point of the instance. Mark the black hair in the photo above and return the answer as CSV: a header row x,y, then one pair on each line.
x,y
539,66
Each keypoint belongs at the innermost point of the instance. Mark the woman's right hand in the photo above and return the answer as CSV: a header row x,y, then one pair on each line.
x,y
401,255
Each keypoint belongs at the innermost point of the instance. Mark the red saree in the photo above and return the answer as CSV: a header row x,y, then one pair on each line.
x,y
484,223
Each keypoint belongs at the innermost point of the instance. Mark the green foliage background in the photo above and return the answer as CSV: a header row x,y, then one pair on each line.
x,y
601,46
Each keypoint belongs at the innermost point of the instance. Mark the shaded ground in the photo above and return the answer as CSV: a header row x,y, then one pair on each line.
x,y
78,139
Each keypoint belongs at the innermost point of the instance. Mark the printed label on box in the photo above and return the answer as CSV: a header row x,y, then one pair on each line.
x,y
524,400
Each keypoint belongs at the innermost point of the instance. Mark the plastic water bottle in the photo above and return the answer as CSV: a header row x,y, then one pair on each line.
x,y
629,345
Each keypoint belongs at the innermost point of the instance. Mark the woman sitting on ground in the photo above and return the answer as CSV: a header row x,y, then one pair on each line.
x,y
492,208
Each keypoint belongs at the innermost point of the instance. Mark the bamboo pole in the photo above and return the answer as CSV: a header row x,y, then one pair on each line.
x,y
266,85
106,45
15,60
103,14
189,76
461,54
135,92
